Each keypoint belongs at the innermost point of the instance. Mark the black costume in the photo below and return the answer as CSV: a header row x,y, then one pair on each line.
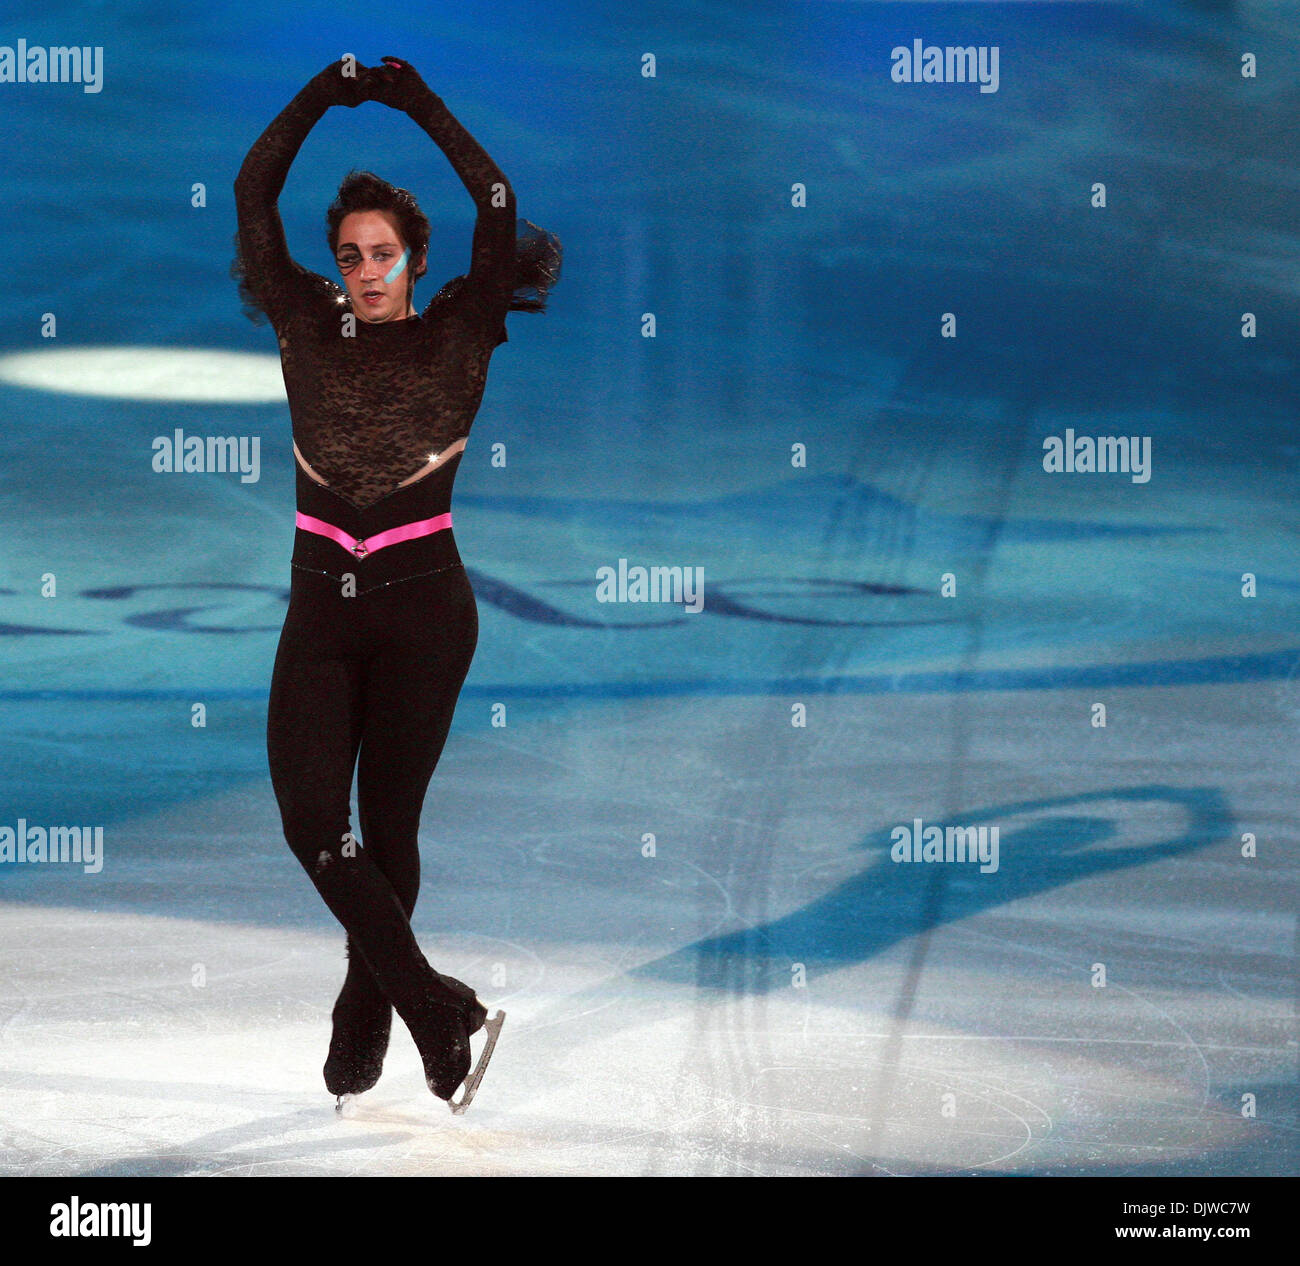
x,y
368,670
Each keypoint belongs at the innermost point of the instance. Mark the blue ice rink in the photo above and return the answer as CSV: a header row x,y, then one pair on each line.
x,y
673,864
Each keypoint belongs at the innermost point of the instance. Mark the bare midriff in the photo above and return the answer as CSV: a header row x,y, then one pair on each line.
x,y
450,451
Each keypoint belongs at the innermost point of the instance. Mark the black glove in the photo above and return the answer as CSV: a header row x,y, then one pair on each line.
x,y
397,84
346,90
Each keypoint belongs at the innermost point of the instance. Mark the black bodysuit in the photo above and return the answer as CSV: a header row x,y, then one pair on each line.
x,y
375,649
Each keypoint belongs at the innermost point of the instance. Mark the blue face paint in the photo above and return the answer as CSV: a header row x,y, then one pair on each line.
x,y
398,268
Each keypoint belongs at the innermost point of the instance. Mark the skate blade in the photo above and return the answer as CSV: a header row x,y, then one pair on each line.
x,y
492,1027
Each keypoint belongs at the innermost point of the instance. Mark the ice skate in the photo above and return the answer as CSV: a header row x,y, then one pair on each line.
x,y
441,1029
476,1018
472,1082
358,1044
475,1011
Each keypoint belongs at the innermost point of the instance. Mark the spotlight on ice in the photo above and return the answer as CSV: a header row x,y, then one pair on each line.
x,y
191,374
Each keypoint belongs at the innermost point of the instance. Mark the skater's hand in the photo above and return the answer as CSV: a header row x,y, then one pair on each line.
x,y
347,89
397,83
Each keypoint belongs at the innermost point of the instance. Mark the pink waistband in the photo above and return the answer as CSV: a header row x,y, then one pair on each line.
x,y
407,532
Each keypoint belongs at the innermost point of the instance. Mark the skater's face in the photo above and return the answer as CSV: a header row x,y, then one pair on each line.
x,y
376,266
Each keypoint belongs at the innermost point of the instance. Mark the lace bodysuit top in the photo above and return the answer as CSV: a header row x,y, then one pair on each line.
x,y
372,403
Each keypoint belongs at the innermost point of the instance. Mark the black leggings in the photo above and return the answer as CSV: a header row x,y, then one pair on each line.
x,y
369,680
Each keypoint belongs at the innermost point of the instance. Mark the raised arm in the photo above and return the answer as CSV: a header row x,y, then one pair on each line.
x,y
268,274
492,264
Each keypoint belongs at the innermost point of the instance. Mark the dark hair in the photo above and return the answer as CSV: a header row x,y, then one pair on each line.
x,y
364,191
538,254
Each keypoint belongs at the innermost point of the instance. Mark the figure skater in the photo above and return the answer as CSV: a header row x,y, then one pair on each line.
x,y
382,622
